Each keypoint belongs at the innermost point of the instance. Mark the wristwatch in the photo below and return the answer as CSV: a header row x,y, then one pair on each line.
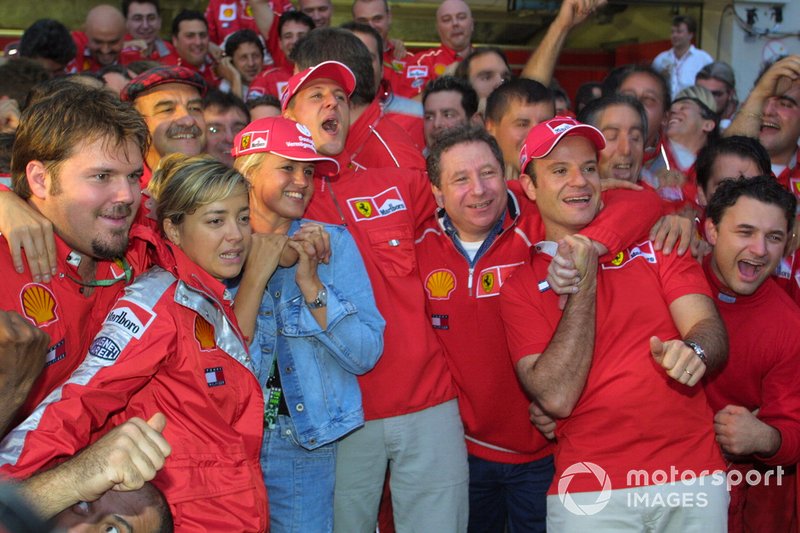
x,y
320,301
697,350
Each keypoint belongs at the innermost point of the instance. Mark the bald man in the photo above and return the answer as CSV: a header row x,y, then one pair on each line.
x,y
100,42
455,24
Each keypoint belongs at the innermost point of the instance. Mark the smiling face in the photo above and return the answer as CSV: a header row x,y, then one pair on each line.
x,y
143,21
280,192
622,157
454,24
649,91
93,196
780,128
191,42
291,32
472,189
566,187
320,11
216,236
174,116
686,123
248,60
322,107
748,244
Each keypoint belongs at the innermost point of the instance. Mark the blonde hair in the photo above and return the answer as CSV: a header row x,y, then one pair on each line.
x,y
181,184
247,164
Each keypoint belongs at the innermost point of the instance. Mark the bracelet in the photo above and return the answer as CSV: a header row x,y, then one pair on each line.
x,y
697,350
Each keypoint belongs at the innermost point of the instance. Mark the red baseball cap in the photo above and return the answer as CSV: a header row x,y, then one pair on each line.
x,y
283,137
546,135
332,70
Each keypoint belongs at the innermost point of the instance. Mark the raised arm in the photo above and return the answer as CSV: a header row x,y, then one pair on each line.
x,y
774,82
556,377
542,63
25,228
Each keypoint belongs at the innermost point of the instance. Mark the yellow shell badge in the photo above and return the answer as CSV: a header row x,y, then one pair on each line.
x,y
440,284
204,333
38,304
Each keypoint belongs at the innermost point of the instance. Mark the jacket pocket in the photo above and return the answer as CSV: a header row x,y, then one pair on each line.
x,y
393,248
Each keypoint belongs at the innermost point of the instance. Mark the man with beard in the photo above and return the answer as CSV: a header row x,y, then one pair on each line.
x,y
101,41
171,101
77,160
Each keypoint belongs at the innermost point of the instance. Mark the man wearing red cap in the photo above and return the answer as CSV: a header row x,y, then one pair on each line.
x,y
619,366
171,101
409,401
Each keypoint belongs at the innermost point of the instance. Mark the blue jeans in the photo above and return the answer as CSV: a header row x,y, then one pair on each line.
x,y
508,496
299,481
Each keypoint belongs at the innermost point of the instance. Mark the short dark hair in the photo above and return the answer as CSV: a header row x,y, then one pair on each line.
x,y
739,145
294,16
238,38
52,126
126,5
117,69
225,101
337,44
520,90
469,133
49,39
691,24
18,76
462,70
360,27
469,98
591,113
184,15
762,188
647,69
266,99
137,67
159,501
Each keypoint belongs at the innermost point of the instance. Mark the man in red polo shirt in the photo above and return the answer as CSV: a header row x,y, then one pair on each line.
x,y
623,387
143,20
755,396
190,39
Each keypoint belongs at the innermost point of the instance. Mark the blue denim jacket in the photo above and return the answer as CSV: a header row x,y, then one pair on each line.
x,y
318,367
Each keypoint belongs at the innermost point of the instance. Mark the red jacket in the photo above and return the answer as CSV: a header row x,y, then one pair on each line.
x,y
383,208
84,60
63,308
375,141
425,66
170,344
271,80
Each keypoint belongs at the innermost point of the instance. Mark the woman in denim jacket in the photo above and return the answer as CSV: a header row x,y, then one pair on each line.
x,y
316,327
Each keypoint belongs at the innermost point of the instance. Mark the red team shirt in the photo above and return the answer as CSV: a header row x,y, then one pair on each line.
x,y
425,66
382,208
631,414
375,141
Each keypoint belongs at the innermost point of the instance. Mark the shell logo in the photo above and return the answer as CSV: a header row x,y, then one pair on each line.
x,y
204,333
439,69
440,284
617,261
38,304
227,13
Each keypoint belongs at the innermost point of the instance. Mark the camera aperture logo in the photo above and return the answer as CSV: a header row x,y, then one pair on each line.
x,y
603,481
